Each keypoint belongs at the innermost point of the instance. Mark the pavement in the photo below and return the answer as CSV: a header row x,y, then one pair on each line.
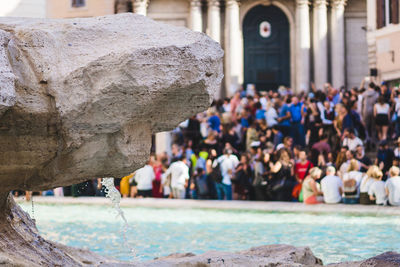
x,y
266,206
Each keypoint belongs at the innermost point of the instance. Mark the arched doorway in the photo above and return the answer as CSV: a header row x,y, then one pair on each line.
x,y
266,48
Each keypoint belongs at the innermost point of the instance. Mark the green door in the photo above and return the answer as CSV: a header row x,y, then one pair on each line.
x,y
266,48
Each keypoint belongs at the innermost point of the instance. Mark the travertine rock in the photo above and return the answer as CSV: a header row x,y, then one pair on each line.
x,y
269,256
80,98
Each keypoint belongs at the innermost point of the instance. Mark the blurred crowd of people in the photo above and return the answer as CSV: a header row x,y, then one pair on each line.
x,y
329,145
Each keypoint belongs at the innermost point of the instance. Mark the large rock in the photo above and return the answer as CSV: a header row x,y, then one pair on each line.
x,y
80,98
268,256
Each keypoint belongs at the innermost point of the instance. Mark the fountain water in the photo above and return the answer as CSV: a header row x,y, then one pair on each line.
x,y
114,195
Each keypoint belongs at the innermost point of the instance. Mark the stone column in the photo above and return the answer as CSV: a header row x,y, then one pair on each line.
x,y
303,46
337,43
140,6
320,34
196,18
163,143
214,20
233,48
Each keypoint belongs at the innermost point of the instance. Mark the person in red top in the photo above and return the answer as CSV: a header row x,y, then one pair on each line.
x,y
302,167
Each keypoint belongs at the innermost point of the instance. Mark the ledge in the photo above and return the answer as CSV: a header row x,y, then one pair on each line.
x,y
373,210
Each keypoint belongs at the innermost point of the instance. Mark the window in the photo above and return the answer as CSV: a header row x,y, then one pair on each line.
x,y
78,3
387,12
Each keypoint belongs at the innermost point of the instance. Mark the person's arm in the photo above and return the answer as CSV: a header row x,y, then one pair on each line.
x,y
387,188
371,193
314,188
362,84
313,87
335,125
375,110
276,167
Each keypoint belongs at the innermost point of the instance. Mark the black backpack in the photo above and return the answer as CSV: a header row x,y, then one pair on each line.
x,y
216,175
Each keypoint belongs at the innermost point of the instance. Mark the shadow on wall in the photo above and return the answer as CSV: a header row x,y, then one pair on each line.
x,y
23,8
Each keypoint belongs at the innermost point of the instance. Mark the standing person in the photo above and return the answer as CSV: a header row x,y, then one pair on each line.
x,y
284,117
382,117
327,117
259,182
311,193
243,179
157,166
179,172
297,111
302,167
144,178
227,162
370,97
332,186
282,182
392,186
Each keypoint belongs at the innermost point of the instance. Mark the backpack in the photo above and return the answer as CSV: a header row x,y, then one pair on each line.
x,y
350,187
202,186
216,175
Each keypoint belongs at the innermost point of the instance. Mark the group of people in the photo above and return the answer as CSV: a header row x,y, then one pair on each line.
x,y
329,145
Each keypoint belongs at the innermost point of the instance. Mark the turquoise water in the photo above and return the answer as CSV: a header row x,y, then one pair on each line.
x,y
159,232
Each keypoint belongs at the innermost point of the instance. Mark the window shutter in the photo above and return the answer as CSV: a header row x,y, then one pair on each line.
x,y
380,16
394,11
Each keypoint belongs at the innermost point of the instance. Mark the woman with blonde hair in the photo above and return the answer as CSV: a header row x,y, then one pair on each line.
x,y
351,183
373,173
311,192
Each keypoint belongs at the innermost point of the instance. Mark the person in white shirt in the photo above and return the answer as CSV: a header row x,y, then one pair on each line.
x,y
179,172
373,174
351,183
350,140
392,186
227,163
377,192
332,186
144,179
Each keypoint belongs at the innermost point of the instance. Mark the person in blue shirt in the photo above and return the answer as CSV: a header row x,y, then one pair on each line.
x,y
214,122
284,117
297,111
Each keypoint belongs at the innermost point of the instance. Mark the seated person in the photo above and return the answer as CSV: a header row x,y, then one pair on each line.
x,y
392,186
332,186
311,192
373,173
377,191
351,183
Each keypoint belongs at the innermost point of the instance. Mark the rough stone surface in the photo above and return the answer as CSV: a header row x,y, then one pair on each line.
x,y
80,98
387,259
268,256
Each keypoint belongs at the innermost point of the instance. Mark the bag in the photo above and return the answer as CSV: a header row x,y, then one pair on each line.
x,y
296,191
301,198
350,187
279,185
216,175
202,186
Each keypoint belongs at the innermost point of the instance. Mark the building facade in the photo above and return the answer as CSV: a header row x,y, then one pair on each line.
x,y
383,40
267,42
275,42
